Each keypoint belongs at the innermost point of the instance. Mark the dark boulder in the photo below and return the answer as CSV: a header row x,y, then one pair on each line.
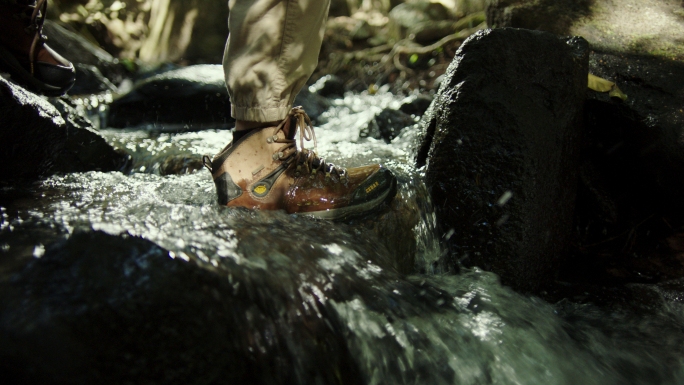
x,y
629,201
187,99
314,105
501,144
85,149
417,106
328,86
38,139
180,164
387,125
115,309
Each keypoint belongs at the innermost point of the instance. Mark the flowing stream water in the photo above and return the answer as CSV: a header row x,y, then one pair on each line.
x,y
376,282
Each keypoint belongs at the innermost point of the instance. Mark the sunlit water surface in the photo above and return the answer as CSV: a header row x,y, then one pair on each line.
x,y
478,333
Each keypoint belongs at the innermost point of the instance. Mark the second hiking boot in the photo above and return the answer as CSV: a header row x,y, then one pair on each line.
x,y
24,54
265,170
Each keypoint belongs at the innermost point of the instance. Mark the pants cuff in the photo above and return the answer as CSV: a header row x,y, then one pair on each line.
x,y
257,114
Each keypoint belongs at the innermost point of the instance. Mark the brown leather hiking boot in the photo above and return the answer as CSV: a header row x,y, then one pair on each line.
x,y
265,170
24,54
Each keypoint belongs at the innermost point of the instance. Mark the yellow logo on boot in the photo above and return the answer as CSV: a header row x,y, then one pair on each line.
x,y
260,189
372,187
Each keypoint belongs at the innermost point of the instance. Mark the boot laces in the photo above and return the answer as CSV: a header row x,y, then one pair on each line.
x,y
306,161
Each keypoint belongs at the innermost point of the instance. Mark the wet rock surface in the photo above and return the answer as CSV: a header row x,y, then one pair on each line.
x,y
501,145
328,86
85,149
387,125
417,106
186,99
38,139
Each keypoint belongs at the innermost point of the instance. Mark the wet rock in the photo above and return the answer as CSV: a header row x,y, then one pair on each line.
x,y
501,145
165,320
314,105
387,125
406,15
180,164
328,86
78,50
652,27
85,149
188,99
38,140
89,80
417,106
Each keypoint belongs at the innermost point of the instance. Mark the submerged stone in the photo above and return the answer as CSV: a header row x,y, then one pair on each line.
x,y
501,145
37,139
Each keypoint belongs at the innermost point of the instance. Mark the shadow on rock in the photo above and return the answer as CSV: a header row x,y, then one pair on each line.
x,y
630,205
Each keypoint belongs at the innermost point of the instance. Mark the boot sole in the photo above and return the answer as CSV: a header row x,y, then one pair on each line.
x,y
355,211
20,76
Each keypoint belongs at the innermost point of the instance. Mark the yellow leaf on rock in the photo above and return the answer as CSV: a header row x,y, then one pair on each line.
x,y
616,93
602,85
599,84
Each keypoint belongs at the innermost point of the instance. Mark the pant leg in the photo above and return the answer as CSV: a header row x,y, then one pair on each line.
x,y
271,52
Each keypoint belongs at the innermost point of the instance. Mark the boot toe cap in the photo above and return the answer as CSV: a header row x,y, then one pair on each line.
x,y
381,183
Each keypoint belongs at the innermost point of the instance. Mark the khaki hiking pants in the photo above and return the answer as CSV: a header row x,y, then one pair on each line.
x,y
272,51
